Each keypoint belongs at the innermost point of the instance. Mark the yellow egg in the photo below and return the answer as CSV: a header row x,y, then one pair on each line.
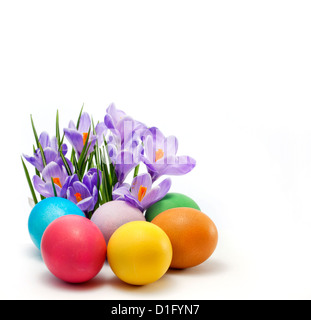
x,y
139,252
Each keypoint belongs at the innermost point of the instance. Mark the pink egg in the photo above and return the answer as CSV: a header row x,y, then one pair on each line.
x,y
112,215
73,248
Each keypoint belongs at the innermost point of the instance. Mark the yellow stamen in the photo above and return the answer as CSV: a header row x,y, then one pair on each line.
x,y
159,155
85,134
57,181
141,193
78,196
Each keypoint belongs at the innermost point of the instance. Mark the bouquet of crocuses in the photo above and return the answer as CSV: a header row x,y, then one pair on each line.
x,y
102,157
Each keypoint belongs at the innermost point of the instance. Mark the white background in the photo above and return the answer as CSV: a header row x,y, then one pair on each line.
x,y
231,79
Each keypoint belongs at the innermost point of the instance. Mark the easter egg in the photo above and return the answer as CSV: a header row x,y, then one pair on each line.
x,y
112,215
171,200
45,212
193,235
139,253
73,249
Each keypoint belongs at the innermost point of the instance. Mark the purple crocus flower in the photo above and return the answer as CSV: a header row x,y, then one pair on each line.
x,y
84,194
124,161
53,171
160,157
78,137
123,127
50,150
141,194
124,145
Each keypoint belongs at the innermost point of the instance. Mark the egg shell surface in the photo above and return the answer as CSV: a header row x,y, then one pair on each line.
x,y
139,253
73,249
112,215
45,212
170,201
193,235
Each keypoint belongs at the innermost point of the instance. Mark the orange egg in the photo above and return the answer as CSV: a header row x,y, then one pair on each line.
x,y
193,235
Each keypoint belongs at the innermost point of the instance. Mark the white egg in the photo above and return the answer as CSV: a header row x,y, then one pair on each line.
x,y
112,215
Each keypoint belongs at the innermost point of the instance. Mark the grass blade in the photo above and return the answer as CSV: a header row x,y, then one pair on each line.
x,y
57,129
84,150
54,189
37,141
136,171
108,181
29,183
65,162
34,131
42,155
78,122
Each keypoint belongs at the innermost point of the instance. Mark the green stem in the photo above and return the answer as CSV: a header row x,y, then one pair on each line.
x,y
136,171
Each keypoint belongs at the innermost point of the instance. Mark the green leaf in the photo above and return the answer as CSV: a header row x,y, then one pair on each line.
x,y
57,129
54,189
38,173
136,171
106,177
73,155
113,174
98,193
84,150
34,131
62,140
29,183
75,164
90,163
65,162
42,155
37,141
78,122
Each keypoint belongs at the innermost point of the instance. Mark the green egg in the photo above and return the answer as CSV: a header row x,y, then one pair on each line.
x,y
170,201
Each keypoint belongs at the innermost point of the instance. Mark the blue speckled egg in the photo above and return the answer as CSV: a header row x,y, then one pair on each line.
x,y
45,212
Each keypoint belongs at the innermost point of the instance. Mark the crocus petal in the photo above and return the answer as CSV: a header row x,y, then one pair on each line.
x,y
44,140
142,179
79,187
125,128
115,114
133,201
64,148
35,161
52,170
101,131
54,143
157,193
91,179
96,175
60,162
75,138
40,187
86,204
65,187
112,152
95,195
155,133
85,123
171,146
71,195
179,165
125,162
120,192
50,155
68,183
148,150
109,122
49,189
72,125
